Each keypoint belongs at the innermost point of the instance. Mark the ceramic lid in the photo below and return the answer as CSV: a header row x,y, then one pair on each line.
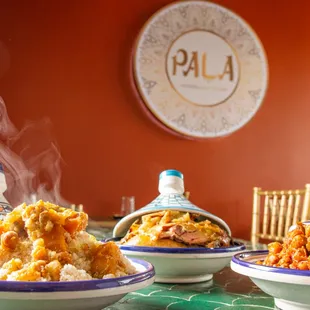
x,y
171,188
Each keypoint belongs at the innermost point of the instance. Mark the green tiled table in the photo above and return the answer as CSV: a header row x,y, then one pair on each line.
x,y
226,291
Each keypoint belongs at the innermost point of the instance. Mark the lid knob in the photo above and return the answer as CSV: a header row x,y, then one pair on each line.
x,y
171,182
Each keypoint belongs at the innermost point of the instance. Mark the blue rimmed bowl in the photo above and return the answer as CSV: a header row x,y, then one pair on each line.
x,y
184,265
289,287
177,265
77,295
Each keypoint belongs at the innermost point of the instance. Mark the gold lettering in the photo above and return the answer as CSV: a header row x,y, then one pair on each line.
x,y
175,61
204,68
228,69
193,65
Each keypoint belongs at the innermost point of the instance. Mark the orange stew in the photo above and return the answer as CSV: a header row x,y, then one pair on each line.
x,y
293,253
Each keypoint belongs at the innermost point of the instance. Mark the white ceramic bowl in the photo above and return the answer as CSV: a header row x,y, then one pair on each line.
x,y
289,287
77,295
294,226
177,265
184,265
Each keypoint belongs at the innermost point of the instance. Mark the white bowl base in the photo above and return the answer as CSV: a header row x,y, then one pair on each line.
x,y
290,305
63,304
184,279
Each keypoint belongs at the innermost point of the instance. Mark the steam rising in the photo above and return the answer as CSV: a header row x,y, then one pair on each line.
x,y
31,161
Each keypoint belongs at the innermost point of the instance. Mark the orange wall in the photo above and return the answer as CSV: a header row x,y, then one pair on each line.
x,y
69,61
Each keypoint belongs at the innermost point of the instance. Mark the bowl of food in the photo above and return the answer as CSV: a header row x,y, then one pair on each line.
x,y
184,242
48,260
283,271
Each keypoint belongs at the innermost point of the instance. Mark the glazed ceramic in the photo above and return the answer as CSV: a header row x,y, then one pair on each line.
x,y
289,287
171,188
200,69
77,295
294,226
177,265
184,265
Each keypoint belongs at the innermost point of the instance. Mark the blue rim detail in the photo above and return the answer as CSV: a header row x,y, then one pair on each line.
x,y
99,284
1,168
240,260
237,247
171,172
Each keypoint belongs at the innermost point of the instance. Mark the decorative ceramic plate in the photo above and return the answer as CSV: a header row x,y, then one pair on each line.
x,y
77,295
200,69
289,287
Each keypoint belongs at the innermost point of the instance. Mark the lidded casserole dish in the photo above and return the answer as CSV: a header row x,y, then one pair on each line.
x,y
172,227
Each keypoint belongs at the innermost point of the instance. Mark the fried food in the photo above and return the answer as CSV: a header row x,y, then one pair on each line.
x,y
175,229
293,253
46,242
